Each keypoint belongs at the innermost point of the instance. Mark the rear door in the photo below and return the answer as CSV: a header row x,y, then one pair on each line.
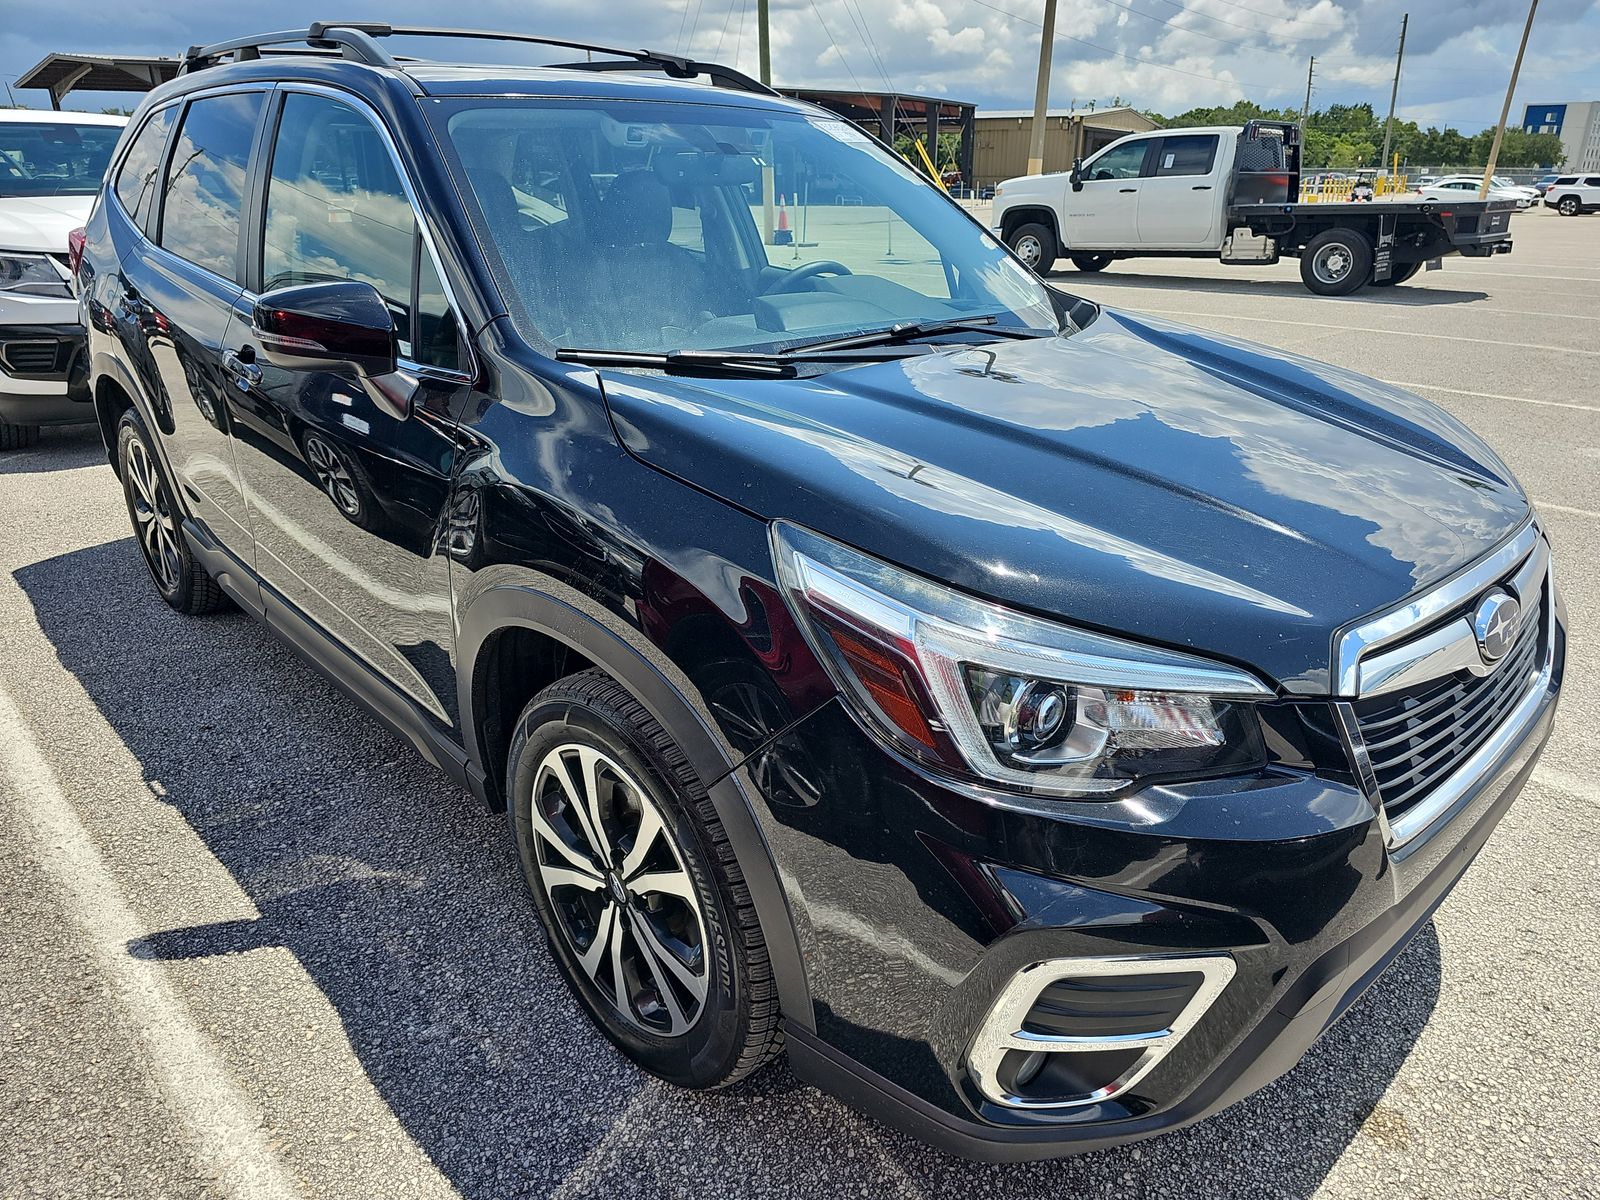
x,y
179,291
1180,198
346,494
1104,211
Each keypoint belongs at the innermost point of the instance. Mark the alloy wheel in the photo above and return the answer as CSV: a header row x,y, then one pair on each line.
x,y
1332,263
152,515
617,883
332,476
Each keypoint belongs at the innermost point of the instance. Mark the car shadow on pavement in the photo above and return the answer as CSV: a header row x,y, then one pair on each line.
x,y
64,448
1405,295
400,898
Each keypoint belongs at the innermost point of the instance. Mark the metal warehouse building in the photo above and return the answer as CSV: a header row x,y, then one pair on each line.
x,y
1002,137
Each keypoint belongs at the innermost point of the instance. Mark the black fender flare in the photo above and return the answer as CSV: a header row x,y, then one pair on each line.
x,y
107,366
653,680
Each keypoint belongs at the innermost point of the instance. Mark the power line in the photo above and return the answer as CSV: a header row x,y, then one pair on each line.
x,y
839,50
854,11
1144,62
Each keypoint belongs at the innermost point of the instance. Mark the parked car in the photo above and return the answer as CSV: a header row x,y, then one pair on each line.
x,y
1042,721
51,165
1543,185
1466,187
1232,193
1573,194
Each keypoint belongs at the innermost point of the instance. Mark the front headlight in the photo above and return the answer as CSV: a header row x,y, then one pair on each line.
x,y
973,688
33,273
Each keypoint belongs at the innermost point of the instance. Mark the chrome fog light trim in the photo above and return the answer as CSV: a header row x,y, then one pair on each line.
x,y
1004,1028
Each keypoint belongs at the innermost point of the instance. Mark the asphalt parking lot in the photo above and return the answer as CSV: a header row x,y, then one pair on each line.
x,y
251,945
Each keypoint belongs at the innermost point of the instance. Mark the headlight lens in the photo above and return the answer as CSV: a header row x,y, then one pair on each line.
x,y
30,273
971,687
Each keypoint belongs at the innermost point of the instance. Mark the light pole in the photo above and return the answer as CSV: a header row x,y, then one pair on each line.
x,y
1505,111
1041,91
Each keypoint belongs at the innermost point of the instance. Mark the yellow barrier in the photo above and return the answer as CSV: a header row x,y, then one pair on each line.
x,y
1338,191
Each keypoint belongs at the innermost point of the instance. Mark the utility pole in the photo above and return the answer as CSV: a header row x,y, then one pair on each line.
x,y
1394,92
1041,91
1305,109
767,174
1505,111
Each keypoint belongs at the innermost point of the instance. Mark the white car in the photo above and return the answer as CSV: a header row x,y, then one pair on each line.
x,y
1570,195
1465,187
51,165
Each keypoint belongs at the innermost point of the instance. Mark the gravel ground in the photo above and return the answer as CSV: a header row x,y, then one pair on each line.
x,y
251,945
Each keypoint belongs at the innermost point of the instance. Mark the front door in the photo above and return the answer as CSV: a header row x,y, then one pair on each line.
x,y
347,492
178,297
1104,211
1180,199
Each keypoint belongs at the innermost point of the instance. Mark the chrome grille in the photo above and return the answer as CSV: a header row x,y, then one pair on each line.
x,y
1416,736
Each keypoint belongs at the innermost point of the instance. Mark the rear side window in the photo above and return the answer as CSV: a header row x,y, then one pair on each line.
x,y
1592,181
204,195
1189,155
136,179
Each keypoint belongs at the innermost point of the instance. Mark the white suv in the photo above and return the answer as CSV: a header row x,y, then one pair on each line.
x,y
1570,195
51,164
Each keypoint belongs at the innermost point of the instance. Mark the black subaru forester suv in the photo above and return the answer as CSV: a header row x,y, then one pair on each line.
x,y
1042,720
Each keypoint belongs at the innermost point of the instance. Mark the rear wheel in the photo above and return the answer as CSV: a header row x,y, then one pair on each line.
x,y
17,437
1569,206
646,908
1336,262
1036,246
1399,275
177,574
1091,262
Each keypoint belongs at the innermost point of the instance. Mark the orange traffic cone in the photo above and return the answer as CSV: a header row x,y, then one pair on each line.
x,y
782,236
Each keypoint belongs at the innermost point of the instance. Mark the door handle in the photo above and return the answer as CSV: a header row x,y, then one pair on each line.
x,y
1201,187
1127,189
241,368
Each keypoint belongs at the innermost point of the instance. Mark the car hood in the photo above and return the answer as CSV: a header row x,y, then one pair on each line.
x,y
1137,477
41,223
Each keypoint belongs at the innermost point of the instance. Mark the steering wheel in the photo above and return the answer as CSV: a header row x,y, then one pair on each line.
x,y
824,266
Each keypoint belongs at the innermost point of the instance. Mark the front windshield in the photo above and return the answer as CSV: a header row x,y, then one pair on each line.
x,y
648,227
54,158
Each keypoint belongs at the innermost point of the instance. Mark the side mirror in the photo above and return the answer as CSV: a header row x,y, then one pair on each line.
x,y
337,325
1077,175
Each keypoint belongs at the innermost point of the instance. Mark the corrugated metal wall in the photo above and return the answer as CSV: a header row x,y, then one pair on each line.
x,y
1001,151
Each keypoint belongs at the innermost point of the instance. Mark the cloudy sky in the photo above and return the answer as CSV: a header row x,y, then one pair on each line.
x,y
1167,55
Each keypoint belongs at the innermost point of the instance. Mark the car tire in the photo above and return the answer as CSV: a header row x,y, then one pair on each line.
x,y
1091,262
1336,262
157,525
1036,246
1569,206
17,437
1400,274
673,971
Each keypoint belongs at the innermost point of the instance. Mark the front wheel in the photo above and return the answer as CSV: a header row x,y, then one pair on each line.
x,y
1569,206
1091,262
1336,262
1036,246
647,911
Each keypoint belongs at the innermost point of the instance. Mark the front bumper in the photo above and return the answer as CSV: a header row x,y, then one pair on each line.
x,y
43,363
918,904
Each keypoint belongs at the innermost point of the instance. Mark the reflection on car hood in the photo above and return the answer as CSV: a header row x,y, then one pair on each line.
x,y
41,223
1139,477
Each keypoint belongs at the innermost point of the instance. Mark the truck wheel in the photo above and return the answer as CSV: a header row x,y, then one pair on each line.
x,y
1399,275
1036,246
1570,206
1336,262
1091,262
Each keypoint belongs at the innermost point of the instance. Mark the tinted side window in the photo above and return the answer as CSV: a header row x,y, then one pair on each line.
x,y
1191,155
204,194
1592,181
336,208
136,178
1120,162
438,337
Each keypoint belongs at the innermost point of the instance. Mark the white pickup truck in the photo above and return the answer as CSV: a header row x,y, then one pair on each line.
x,y
1232,192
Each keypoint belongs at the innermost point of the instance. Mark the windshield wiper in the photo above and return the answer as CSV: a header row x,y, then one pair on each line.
x,y
906,331
739,364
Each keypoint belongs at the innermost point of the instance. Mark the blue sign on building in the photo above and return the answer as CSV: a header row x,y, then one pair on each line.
x,y
1544,118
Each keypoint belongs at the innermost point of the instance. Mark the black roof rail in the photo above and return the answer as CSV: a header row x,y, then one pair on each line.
x,y
357,40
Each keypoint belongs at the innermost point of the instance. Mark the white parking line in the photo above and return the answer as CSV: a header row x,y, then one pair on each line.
x,y
223,1125
1564,508
1434,387
1417,333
